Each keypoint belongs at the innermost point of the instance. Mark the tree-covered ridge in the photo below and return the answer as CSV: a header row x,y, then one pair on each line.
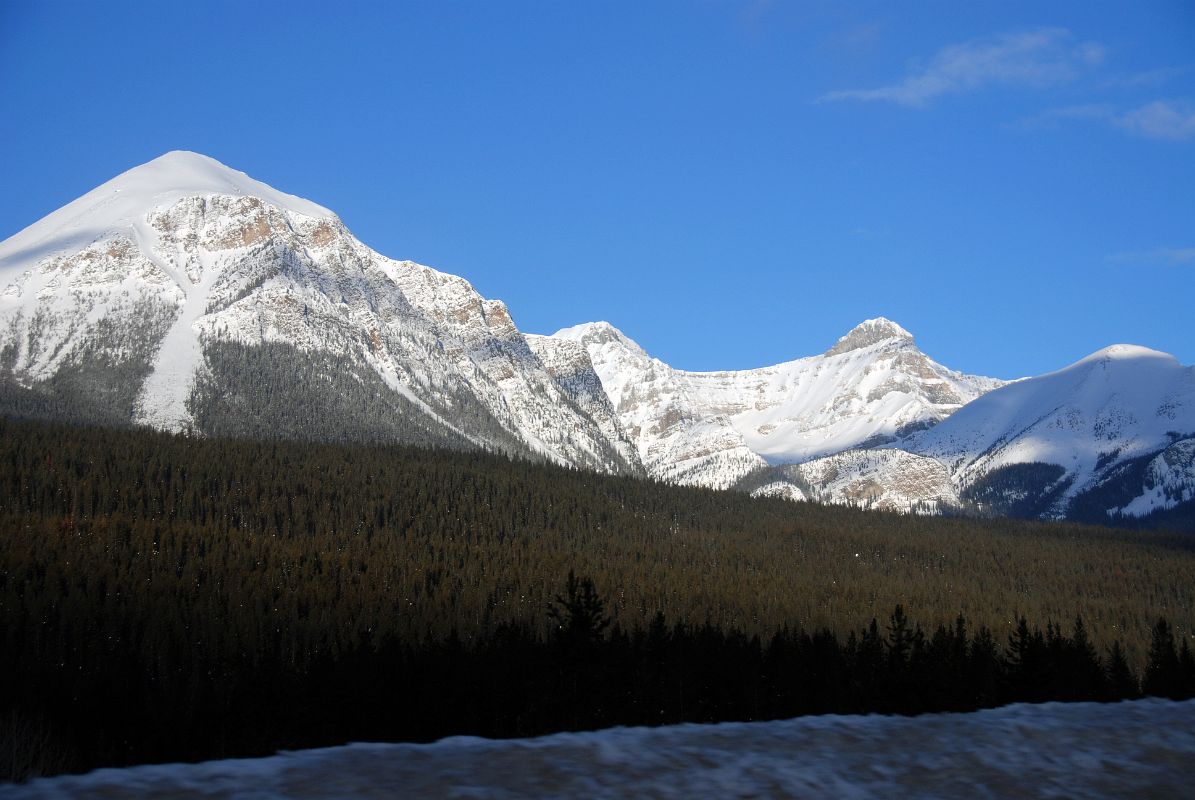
x,y
418,542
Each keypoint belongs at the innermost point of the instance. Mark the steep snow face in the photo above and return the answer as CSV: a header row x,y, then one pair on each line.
x,y
871,387
188,256
1119,403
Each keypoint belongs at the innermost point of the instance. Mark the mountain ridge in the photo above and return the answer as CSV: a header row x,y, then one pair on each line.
x,y
873,385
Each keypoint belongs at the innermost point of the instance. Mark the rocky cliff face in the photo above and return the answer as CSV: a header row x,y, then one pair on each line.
x,y
677,437
569,363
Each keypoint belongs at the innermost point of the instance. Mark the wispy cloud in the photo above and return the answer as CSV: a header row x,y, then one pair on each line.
x,y
1036,58
1052,117
1149,77
1160,119
1158,256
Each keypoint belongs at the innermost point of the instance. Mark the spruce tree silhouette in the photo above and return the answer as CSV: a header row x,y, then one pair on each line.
x,y
1163,675
579,614
580,623
1186,669
1080,676
1121,682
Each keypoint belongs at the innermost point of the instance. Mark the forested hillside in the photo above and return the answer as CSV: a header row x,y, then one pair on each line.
x,y
172,597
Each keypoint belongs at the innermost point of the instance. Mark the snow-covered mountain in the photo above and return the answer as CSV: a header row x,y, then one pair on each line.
x,y
1112,435
715,428
188,296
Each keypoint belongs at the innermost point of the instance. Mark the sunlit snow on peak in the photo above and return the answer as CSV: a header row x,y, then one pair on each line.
x,y
121,205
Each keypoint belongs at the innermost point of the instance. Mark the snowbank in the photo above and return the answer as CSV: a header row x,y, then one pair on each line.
x,y
1141,748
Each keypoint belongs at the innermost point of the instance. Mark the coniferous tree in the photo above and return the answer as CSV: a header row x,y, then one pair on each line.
x,y
579,614
1163,675
1186,670
1121,683
1027,665
984,670
1080,675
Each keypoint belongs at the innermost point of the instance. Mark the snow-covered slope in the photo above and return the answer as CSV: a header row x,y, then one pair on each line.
x,y
1121,403
1108,435
713,428
186,295
873,385
1076,750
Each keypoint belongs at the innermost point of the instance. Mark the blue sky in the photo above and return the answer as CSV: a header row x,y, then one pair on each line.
x,y
732,183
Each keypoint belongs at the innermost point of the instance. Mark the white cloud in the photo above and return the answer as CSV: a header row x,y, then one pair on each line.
x,y
1160,119
1036,58
1164,256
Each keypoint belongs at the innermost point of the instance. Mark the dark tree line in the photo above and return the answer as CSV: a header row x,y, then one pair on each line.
x,y
585,673
166,597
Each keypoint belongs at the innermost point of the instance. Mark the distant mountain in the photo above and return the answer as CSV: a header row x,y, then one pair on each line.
x,y
188,296
1111,438
872,387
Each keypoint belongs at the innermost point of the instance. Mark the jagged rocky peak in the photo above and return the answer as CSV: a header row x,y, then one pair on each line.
x,y
598,333
867,333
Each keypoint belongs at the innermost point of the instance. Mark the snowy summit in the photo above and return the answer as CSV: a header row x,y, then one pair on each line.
x,y
120,206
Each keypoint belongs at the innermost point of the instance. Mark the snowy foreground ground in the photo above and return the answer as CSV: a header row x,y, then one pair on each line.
x,y
1143,749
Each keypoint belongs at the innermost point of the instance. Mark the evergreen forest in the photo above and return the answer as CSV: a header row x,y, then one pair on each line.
x,y
167,597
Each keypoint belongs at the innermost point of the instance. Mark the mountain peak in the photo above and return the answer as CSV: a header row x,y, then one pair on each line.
x,y
599,333
1122,352
867,333
123,202
182,173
